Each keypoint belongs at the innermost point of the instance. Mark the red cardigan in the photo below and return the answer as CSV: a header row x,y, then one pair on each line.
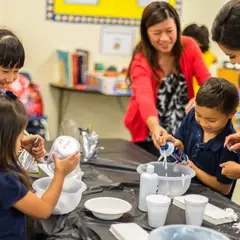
x,y
142,103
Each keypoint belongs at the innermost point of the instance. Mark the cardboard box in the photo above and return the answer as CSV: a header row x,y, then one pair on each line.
x,y
107,85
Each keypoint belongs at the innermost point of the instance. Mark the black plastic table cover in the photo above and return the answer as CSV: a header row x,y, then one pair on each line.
x,y
114,174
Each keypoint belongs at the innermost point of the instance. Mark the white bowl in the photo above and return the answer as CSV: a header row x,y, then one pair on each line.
x,y
108,208
186,232
77,172
173,182
70,197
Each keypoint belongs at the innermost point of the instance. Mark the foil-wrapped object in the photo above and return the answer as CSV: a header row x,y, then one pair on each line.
x,y
90,144
63,147
26,160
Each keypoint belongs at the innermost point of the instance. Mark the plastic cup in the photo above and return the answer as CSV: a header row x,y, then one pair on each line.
x,y
157,206
194,209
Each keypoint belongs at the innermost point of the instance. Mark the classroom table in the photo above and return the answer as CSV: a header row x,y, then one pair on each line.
x,y
117,163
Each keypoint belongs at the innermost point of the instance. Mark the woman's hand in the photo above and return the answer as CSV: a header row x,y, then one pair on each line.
x,y
232,142
190,105
34,144
158,136
156,130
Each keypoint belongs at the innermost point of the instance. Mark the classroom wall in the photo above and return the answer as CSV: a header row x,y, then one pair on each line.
x,y
41,38
203,12
2,12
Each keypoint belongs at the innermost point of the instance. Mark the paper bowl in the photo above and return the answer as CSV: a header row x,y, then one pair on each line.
x,y
108,208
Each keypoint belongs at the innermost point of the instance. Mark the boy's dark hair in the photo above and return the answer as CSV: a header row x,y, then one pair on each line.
x,y
200,34
226,26
218,93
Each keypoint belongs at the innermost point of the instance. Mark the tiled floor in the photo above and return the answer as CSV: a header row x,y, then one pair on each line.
x,y
236,194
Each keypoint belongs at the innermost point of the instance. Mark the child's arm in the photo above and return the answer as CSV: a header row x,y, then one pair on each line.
x,y
210,180
42,208
36,207
231,169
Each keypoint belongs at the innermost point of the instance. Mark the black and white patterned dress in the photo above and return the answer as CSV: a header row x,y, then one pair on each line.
x,y
172,98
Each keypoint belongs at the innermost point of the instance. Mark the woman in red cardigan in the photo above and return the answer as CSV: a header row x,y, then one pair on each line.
x,y
161,72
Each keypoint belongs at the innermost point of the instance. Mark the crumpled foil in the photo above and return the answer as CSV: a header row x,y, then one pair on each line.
x,y
90,144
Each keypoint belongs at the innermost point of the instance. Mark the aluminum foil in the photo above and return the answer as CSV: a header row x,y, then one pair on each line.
x,y
90,144
62,147
26,160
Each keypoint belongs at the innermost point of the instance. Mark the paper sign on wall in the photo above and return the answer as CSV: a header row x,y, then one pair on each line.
x,y
117,40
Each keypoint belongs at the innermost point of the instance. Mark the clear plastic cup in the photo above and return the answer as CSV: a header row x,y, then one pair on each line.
x,y
157,206
194,209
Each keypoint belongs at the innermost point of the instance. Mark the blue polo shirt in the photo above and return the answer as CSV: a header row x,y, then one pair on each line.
x,y
207,156
12,222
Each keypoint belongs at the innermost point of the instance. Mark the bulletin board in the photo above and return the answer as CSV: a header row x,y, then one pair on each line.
x,y
114,12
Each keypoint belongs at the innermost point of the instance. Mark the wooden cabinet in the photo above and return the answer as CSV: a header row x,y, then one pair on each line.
x,y
234,77
230,75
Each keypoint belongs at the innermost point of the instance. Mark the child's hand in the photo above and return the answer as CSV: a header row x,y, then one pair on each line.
x,y
231,169
37,150
191,165
177,143
67,165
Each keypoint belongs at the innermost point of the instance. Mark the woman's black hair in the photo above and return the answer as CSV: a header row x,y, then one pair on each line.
x,y
154,13
226,26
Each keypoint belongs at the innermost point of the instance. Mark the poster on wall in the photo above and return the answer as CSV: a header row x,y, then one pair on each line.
x,y
144,3
114,12
117,40
86,2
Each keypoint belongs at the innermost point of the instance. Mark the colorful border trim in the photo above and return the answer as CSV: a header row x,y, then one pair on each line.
x,y
70,18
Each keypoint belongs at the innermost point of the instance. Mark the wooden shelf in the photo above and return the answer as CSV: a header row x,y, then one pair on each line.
x,y
84,90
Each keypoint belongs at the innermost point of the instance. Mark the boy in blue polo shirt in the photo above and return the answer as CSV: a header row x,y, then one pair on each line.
x,y
203,131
